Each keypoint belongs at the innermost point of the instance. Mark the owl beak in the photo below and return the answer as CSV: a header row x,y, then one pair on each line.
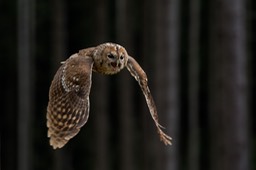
x,y
114,64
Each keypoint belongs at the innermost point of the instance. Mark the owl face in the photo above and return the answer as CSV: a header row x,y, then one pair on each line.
x,y
109,58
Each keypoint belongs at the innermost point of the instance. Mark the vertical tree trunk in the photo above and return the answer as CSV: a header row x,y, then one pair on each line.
x,y
100,95
168,72
150,138
25,81
101,115
59,33
126,103
61,157
251,24
161,75
193,88
228,86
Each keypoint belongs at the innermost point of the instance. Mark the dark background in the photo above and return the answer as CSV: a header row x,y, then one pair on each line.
x,y
200,60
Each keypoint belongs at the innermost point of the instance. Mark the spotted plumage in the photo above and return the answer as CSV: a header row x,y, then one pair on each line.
x,y
68,106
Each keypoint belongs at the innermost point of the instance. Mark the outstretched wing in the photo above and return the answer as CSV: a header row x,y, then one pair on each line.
x,y
68,107
138,73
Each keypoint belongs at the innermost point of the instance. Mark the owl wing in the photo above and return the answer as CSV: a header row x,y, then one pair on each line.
x,y
138,73
68,107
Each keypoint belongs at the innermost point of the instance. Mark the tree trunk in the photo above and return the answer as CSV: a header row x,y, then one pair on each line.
x,y
99,95
25,81
193,88
125,88
228,86
62,159
59,33
168,72
150,143
100,111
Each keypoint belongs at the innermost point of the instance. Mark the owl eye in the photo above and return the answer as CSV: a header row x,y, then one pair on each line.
x,y
111,56
121,57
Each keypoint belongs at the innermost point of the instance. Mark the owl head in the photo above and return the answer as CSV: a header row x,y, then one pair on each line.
x,y
109,58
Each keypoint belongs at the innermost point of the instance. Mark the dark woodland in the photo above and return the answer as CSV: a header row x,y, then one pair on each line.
x,y
199,57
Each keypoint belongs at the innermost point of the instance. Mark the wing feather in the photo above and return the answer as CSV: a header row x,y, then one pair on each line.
x,y
138,73
68,107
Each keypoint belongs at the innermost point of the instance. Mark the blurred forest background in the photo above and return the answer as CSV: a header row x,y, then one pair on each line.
x,y
200,59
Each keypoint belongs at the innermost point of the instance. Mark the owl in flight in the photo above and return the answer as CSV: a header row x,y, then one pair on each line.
x,y
68,106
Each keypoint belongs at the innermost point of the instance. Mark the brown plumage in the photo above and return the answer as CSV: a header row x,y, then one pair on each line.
x,y
68,107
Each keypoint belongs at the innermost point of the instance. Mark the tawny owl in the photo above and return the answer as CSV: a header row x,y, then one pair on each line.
x,y
68,107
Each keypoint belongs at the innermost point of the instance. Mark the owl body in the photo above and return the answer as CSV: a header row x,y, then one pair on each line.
x,y
68,106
